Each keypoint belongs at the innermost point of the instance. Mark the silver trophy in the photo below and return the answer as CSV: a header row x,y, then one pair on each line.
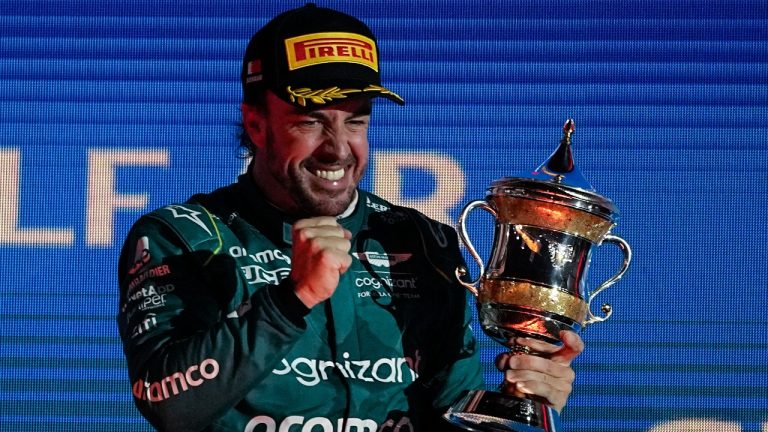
x,y
546,225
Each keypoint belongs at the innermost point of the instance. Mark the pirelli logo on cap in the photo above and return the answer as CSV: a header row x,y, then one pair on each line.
x,y
331,47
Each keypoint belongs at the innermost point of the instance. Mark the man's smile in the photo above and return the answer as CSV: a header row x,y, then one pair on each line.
x,y
332,175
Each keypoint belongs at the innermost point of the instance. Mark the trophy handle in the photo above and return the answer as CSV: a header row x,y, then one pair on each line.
x,y
462,230
606,308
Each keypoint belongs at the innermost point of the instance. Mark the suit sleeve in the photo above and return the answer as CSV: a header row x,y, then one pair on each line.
x,y
464,372
189,358
459,367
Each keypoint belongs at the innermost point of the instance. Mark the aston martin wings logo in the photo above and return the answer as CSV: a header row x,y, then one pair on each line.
x,y
382,260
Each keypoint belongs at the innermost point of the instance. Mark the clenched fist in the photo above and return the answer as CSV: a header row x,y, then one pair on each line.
x,y
320,256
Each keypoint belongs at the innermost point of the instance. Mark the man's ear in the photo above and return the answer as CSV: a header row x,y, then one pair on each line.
x,y
254,123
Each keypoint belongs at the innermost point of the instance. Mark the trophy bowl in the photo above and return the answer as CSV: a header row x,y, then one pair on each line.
x,y
535,283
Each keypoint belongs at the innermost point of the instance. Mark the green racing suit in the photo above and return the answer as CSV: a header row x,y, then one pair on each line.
x,y
215,339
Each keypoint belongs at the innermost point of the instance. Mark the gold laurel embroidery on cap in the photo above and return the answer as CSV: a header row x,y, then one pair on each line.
x,y
321,96
383,91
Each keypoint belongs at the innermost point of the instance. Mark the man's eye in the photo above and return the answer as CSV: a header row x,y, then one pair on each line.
x,y
309,123
357,123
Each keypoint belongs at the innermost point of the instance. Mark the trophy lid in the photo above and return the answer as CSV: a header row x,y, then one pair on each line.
x,y
558,181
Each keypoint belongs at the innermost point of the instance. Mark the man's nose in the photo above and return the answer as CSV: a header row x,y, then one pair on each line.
x,y
336,142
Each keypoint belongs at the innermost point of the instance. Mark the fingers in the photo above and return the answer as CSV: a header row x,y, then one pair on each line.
x,y
328,221
320,255
554,392
538,376
572,346
546,369
547,374
305,229
319,234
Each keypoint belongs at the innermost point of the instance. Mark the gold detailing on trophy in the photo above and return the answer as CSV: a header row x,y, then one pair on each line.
x,y
553,216
534,296
301,95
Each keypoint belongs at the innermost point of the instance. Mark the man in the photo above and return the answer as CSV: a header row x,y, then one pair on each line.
x,y
292,298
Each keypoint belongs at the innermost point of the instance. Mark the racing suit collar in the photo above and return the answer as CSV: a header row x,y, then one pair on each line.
x,y
350,209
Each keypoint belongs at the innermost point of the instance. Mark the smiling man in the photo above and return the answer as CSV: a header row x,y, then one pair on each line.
x,y
309,160
292,299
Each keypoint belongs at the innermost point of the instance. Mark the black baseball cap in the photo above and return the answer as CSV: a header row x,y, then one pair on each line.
x,y
313,56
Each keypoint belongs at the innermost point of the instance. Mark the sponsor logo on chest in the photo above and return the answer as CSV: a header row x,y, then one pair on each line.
x,y
393,370
303,424
269,266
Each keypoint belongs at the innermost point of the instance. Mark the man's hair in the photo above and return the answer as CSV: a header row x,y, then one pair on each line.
x,y
246,147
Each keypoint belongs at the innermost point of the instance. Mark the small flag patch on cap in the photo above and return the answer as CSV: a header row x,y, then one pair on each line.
x,y
253,72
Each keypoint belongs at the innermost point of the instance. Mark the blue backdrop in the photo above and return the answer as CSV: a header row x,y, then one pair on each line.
x,y
109,109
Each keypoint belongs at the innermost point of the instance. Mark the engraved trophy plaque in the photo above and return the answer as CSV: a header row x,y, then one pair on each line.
x,y
534,285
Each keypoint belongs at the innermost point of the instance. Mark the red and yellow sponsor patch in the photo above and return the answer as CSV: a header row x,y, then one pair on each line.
x,y
331,47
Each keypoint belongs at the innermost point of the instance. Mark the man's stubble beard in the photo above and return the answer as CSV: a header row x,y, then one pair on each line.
x,y
306,203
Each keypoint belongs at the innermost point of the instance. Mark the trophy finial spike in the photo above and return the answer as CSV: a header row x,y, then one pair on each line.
x,y
560,167
561,161
568,128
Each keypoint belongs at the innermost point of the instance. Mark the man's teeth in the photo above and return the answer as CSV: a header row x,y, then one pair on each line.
x,y
330,175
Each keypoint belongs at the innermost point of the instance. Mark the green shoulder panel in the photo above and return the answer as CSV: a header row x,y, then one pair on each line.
x,y
194,225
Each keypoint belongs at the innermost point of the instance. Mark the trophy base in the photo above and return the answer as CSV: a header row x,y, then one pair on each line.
x,y
487,411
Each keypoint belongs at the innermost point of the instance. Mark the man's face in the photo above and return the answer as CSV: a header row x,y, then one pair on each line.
x,y
309,162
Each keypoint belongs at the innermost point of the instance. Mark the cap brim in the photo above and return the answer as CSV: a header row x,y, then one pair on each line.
x,y
385,93
305,96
